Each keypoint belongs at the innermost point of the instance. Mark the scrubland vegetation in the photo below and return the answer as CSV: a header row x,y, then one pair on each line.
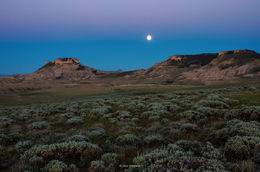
x,y
214,129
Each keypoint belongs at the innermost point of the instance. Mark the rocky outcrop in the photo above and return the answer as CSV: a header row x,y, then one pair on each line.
x,y
236,52
228,65
64,69
187,60
224,65
174,66
175,58
214,66
62,61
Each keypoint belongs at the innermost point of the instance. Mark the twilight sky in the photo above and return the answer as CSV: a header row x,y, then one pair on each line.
x,y
110,34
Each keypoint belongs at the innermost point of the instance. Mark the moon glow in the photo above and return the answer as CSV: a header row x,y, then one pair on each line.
x,y
149,37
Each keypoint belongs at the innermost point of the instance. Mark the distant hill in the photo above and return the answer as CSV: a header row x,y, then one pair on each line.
x,y
63,69
228,65
223,66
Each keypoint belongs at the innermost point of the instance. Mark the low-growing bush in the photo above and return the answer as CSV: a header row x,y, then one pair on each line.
x,y
180,157
234,128
191,115
127,139
21,146
77,138
36,161
245,113
213,103
98,166
97,134
55,166
5,121
75,120
63,151
153,139
111,161
39,125
23,115
245,166
123,116
189,128
98,112
59,166
242,147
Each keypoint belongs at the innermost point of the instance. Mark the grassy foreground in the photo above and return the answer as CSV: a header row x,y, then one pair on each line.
x,y
208,128
53,95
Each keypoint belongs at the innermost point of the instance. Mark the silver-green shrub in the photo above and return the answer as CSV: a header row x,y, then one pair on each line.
x,y
39,125
75,120
61,151
98,112
235,128
5,121
55,166
111,161
242,147
153,139
98,166
127,139
21,146
59,166
182,156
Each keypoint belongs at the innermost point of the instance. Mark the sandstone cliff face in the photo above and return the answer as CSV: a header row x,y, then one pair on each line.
x,y
64,61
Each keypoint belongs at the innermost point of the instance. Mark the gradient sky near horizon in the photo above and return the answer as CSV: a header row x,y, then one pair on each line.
x,y
110,34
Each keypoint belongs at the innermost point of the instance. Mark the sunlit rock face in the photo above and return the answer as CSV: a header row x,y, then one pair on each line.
x,y
237,52
176,58
64,61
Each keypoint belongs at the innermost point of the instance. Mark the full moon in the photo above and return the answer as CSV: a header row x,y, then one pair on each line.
x,y
149,37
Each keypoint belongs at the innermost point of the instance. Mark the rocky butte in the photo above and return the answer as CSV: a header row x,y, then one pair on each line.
x,y
225,65
64,61
63,69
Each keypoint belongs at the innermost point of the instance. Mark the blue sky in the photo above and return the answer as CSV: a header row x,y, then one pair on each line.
x,y
110,35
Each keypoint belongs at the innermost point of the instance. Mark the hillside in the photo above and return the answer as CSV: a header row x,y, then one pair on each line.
x,y
224,66
64,69
228,65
